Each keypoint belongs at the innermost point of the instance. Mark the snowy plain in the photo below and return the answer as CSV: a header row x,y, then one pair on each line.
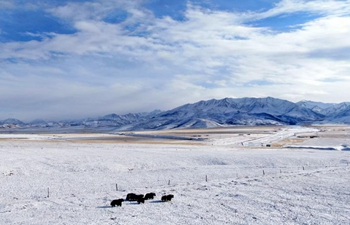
x,y
46,179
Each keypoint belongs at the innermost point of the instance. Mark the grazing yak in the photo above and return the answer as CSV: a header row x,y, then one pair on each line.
x,y
167,198
140,200
117,202
130,197
133,197
149,196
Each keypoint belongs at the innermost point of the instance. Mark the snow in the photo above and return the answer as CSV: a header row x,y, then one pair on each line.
x,y
45,180
262,139
339,144
25,136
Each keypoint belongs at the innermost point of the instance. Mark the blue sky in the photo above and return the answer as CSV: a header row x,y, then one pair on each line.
x,y
74,59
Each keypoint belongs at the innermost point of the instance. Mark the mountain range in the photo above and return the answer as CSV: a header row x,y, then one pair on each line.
x,y
205,114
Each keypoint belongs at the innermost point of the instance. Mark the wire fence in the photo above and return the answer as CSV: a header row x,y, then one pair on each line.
x,y
168,178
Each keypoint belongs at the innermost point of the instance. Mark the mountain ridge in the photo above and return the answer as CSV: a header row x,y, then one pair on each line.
x,y
209,113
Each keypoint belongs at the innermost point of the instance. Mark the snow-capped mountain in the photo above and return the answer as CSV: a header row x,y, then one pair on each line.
x,y
327,109
12,121
228,111
334,113
114,120
211,113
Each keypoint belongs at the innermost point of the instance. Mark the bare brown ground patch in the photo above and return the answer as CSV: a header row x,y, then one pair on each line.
x,y
289,141
137,141
122,138
93,138
326,131
208,131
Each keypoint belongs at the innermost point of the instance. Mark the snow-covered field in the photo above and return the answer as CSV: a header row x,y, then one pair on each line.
x,y
52,180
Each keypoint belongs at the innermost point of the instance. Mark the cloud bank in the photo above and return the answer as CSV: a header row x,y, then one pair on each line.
x,y
121,56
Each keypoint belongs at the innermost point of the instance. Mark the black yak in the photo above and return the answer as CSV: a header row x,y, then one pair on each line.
x,y
149,196
138,197
167,198
117,202
131,197
141,200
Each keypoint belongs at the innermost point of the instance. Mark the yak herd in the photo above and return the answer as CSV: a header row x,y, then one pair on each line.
x,y
139,198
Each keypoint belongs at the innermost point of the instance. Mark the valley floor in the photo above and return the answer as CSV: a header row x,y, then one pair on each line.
x,y
240,176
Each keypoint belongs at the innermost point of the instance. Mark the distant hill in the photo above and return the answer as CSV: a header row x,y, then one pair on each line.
x,y
211,113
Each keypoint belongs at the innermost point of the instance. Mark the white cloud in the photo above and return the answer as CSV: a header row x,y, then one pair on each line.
x,y
93,10
163,63
324,7
6,4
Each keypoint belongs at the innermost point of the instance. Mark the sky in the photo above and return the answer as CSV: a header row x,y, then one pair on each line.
x,y
71,59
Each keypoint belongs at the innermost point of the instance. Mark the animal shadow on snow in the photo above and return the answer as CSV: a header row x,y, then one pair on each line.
x,y
154,201
130,203
104,207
